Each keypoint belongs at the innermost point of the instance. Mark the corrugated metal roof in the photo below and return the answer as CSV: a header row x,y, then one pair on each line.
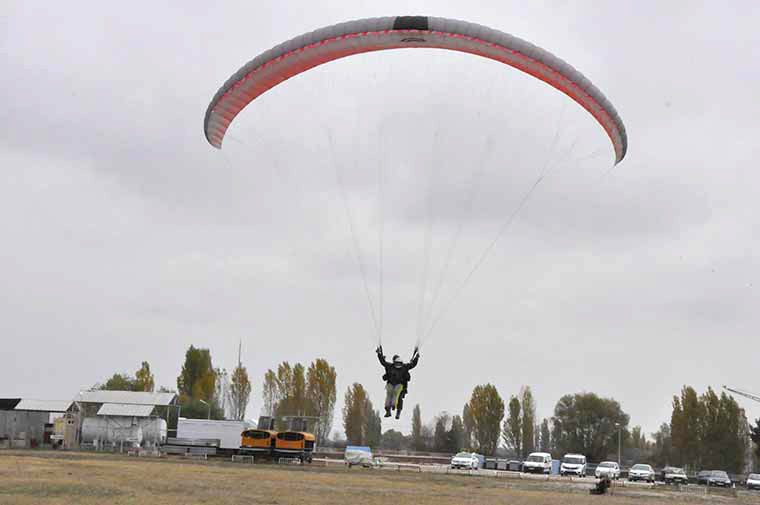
x,y
129,397
125,409
43,405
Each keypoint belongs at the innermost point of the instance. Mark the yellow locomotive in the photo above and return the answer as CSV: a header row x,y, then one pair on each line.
x,y
295,442
258,442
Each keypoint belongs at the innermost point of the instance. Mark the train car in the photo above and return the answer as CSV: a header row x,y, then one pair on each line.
x,y
294,444
258,442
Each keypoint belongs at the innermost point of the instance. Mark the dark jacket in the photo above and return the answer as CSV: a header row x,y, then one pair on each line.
x,y
397,374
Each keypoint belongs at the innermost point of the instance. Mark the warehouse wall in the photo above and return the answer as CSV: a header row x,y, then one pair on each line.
x,y
13,423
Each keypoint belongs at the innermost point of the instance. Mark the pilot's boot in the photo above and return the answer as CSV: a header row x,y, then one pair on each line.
x,y
387,412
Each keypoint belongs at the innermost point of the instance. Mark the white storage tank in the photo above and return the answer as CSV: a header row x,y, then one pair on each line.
x,y
153,430
111,430
139,430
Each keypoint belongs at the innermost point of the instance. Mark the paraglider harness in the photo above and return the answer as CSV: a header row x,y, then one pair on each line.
x,y
398,375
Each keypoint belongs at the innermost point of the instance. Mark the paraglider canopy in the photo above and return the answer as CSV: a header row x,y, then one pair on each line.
x,y
374,34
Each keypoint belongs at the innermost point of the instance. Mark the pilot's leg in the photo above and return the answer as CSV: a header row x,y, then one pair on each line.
x,y
389,398
399,400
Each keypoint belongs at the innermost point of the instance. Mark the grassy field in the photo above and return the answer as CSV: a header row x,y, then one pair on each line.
x,y
31,477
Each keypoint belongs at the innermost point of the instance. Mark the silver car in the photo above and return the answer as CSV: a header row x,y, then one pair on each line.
x,y
608,470
673,475
467,460
753,481
641,472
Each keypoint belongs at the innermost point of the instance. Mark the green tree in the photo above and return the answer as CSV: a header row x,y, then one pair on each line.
x,y
686,425
144,380
528,424
197,380
301,403
586,424
663,446
240,392
455,436
427,437
355,415
467,424
755,436
637,438
556,436
270,393
418,444
708,431
292,391
724,432
512,429
546,436
373,429
441,433
487,411
393,440
320,389
196,384
285,383
118,382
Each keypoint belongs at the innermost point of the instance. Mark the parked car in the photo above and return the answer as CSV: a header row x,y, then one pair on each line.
x,y
753,481
538,462
719,478
641,472
673,475
608,469
467,460
574,464
703,476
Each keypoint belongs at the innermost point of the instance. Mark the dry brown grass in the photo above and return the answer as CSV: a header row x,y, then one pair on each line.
x,y
32,477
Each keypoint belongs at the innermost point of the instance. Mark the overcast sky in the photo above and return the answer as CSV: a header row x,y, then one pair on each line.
x,y
127,237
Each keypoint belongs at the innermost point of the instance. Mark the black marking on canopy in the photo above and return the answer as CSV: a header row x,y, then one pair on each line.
x,y
411,23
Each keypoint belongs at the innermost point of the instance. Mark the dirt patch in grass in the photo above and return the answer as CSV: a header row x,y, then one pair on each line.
x,y
58,489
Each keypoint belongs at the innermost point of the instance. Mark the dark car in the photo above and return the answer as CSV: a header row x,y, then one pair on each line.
x,y
673,475
703,477
718,478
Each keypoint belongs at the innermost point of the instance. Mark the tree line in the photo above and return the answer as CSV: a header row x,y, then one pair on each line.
x,y
298,391
705,431
203,390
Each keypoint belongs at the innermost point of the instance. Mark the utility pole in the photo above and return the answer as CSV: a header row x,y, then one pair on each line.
x,y
619,427
209,408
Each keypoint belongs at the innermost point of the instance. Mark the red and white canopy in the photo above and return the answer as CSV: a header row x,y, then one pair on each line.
x,y
326,44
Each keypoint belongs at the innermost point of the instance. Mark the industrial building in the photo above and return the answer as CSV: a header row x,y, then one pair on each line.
x,y
27,423
119,419
100,419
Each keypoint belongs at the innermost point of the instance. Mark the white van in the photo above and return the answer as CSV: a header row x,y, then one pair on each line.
x,y
538,462
573,464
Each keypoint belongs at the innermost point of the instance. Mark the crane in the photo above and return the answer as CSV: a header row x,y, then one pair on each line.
x,y
743,393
